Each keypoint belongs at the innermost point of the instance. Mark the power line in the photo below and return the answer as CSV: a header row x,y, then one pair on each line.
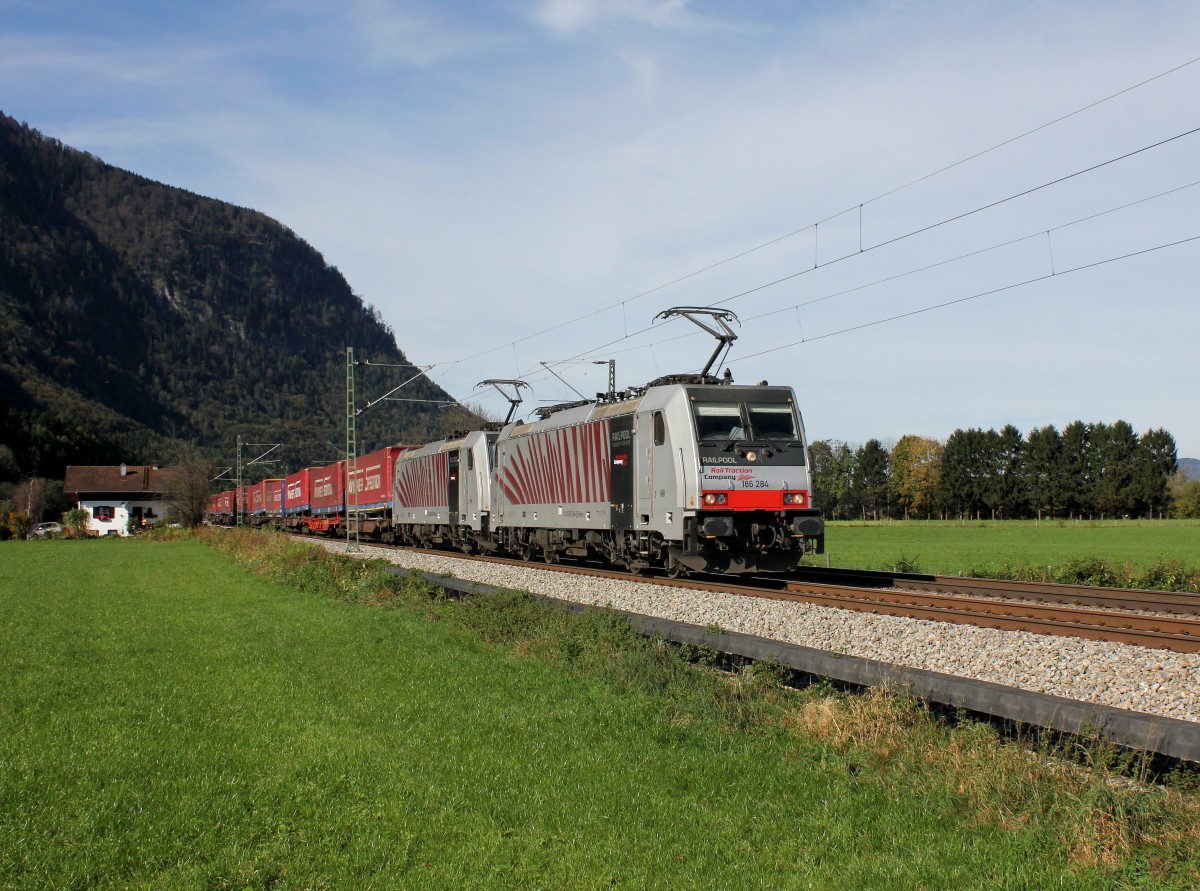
x,y
912,233
974,253
1054,182
917,312
858,207
795,307
1040,127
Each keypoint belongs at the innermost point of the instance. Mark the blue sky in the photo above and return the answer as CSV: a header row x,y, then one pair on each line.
x,y
483,172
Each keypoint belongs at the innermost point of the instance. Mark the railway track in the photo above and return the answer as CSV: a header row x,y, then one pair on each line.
x,y
1179,634
1071,611
1182,603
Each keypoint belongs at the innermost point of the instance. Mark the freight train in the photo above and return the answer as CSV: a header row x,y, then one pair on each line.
x,y
690,473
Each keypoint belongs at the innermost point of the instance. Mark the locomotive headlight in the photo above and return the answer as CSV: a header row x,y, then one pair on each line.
x,y
751,456
794,498
711,498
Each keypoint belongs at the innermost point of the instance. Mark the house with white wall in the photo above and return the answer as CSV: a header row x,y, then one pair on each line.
x,y
115,496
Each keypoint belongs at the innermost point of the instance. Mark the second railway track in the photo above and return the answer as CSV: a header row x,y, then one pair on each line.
x,y
1178,602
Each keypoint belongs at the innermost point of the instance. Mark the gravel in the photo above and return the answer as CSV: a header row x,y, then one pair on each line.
x,y
1119,675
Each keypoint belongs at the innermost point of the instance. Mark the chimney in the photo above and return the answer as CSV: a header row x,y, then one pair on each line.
x,y
124,469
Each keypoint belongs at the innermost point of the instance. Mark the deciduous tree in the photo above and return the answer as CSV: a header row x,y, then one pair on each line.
x,y
915,475
190,487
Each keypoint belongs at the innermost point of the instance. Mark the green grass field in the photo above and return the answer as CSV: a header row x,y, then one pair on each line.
x,y
168,720
988,548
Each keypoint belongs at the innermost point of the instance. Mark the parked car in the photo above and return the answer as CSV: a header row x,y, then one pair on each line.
x,y
46,530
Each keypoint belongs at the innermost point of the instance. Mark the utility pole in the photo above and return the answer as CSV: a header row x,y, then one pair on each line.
x,y
237,493
351,456
239,505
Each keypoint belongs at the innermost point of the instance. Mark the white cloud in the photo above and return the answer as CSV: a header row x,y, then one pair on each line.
x,y
397,34
573,16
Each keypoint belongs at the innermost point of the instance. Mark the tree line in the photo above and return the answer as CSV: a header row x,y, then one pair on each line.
x,y
1086,470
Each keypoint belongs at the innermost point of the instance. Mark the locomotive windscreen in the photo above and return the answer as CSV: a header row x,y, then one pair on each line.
x,y
719,422
775,422
724,422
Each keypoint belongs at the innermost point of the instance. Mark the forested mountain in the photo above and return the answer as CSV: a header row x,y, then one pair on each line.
x,y
135,316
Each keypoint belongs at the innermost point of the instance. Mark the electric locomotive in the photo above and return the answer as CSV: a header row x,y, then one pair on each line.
x,y
692,475
688,474
441,493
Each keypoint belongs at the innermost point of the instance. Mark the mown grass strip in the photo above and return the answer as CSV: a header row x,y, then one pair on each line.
x,y
1161,555
170,721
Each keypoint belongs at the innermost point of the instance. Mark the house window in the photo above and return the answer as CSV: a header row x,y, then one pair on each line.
x,y
104,513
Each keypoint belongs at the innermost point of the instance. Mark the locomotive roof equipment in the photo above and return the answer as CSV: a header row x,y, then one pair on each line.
x,y
513,400
719,329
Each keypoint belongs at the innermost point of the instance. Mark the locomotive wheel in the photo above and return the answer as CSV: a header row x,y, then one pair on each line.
x,y
676,571
526,552
550,556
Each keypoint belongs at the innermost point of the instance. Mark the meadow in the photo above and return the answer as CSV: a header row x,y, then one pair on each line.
x,y
1130,550
267,716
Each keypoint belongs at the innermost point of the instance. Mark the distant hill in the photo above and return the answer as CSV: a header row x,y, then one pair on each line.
x,y
135,316
1190,468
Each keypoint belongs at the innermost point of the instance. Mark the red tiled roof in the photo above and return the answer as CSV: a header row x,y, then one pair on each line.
x,y
137,479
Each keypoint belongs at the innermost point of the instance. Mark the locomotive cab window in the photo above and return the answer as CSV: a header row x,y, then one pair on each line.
x,y
660,428
773,422
719,422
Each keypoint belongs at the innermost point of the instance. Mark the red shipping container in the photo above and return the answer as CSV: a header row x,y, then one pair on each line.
x,y
328,489
371,485
273,496
258,502
297,491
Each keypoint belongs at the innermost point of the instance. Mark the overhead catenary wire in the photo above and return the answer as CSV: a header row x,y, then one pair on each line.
x,y
1039,233
854,207
969,297
918,231
975,253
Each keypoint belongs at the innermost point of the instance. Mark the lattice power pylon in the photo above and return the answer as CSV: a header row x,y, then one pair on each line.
x,y
352,483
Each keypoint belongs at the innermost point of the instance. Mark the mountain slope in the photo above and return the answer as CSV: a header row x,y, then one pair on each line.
x,y
134,316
